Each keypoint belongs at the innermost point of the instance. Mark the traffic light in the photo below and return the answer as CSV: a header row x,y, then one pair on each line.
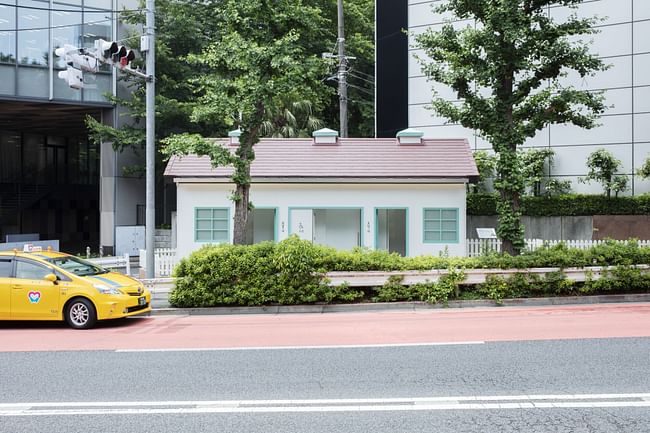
x,y
110,52
105,49
123,56
73,57
73,77
75,63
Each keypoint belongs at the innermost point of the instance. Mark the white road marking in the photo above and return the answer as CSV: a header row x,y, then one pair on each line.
x,y
338,346
487,402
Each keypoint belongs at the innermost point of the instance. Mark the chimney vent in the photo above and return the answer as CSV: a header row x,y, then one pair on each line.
x,y
410,136
325,136
234,137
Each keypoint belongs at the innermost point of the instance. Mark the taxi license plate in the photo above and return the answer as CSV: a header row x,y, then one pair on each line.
x,y
142,300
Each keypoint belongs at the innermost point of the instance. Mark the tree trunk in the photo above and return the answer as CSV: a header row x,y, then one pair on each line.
x,y
242,175
241,214
509,170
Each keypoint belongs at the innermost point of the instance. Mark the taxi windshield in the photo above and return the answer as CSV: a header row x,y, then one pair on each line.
x,y
77,266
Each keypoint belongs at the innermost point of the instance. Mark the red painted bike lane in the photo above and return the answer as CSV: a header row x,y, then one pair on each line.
x,y
336,329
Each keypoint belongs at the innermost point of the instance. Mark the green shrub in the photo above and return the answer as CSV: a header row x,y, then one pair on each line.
x,y
292,272
565,205
393,290
495,287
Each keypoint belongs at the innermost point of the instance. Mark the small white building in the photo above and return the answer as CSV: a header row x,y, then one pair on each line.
x,y
405,194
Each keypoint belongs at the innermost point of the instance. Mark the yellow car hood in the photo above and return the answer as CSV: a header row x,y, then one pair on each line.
x,y
119,281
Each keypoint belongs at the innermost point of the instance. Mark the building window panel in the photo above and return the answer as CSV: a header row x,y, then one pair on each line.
x,y
63,91
99,4
66,29
8,81
7,37
33,82
440,225
212,225
33,39
98,85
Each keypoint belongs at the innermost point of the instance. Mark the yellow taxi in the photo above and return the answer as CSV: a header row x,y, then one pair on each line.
x,y
48,285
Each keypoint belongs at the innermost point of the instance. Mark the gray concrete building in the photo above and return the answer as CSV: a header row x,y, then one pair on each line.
x,y
623,42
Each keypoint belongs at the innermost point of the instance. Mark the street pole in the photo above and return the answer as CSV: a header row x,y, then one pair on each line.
x,y
343,85
150,220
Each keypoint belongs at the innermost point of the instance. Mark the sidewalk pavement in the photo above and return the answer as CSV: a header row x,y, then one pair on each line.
x,y
162,307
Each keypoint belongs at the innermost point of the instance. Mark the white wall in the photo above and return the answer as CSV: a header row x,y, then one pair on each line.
x,y
623,42
299,197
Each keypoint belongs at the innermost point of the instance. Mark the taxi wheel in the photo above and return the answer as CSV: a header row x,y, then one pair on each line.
x,y
80,314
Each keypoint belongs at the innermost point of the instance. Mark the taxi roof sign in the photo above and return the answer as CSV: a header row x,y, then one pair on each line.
x,y
30,248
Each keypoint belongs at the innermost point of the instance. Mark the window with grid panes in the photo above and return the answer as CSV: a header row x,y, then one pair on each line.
x,y
212,225
440,225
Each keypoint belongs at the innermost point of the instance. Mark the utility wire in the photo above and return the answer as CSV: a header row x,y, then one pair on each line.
x,y
365,80
361,89
362,73
102,11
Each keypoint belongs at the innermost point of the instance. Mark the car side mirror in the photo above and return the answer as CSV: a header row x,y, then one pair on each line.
x,y
51,278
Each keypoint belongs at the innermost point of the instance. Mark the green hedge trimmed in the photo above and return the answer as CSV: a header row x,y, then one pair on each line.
x,y
565,205
291,272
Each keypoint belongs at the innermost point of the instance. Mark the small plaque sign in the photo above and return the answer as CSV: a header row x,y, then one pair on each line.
x,y
486,233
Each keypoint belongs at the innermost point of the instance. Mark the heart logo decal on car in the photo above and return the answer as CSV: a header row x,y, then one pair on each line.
x,y
34,297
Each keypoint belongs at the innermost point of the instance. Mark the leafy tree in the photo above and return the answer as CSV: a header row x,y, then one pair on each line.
x,y
256,64
175,75
506,71
644,170
534,161
556,187
290,119
174,94
485,163
602,168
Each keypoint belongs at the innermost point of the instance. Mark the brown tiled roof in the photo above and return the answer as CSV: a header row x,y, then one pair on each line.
x,y
350,158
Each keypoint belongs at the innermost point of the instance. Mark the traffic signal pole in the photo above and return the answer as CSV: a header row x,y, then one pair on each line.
x,y
109,52
150,219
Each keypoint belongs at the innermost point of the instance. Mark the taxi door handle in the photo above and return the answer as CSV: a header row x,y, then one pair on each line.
x,y
17,287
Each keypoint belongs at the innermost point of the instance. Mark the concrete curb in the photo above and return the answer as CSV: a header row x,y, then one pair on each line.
x,y
401,306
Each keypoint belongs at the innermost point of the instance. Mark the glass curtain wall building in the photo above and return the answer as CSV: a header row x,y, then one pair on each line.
x,y
30,31
50,178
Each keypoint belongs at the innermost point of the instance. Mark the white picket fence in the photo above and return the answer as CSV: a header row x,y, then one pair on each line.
x,y
476,247
164,260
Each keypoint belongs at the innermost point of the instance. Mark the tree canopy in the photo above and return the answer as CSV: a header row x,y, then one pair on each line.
x,y
507,72
257,63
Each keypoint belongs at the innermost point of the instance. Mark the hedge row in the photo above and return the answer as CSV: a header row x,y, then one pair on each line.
x,y
564,205
291,272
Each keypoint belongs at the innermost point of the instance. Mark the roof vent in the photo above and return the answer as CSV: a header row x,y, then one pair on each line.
x,y
410,136
234,137
325,136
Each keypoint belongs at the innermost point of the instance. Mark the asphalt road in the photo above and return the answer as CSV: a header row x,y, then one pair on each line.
x,y
578,385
